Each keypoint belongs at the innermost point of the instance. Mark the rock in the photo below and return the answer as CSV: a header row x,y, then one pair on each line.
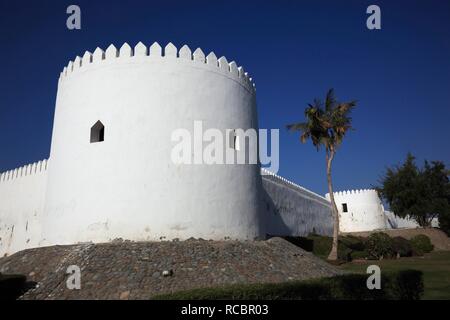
x,y
124,295
167,273
114,270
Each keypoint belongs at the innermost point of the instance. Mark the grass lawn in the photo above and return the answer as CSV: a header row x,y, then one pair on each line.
x,y
342,287
435,267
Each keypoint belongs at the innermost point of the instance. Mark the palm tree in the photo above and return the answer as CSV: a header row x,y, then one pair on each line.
x,y
326,125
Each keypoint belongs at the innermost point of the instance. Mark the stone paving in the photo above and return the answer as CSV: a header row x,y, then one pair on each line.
x,y
139,270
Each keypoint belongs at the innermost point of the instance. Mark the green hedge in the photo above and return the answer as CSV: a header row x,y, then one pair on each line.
x,y
402,247
321,247
354,243
378,245
401,285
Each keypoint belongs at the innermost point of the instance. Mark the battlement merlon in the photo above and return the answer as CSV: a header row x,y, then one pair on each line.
x,y
155,51
23,171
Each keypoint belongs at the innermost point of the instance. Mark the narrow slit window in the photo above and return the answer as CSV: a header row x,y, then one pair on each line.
x,y
98,132
234,140
344,207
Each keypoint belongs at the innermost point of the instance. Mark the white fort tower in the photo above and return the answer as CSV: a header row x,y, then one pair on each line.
x,y
359,210
127,185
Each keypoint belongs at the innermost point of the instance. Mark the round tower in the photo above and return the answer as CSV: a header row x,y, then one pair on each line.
x,y
359,210
110,172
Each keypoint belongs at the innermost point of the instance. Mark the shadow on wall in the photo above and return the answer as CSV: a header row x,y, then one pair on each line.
x,y
273,220
291,211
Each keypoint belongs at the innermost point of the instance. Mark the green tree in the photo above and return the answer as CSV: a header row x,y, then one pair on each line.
x,y
420,193
326,125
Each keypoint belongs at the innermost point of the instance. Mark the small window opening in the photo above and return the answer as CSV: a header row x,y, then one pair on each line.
x,y
234,141
97,132
344,207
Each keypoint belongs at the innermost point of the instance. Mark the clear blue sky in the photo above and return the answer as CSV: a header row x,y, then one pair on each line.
x,y
295,51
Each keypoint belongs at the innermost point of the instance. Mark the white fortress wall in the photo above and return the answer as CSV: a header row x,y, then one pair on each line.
x,y
395,222
127,186
365,211
22,193
292,210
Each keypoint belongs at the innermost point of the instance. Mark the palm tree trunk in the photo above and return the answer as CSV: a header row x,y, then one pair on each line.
x,y
334,248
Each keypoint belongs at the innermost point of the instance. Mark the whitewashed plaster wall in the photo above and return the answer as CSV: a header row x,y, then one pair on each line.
x,y
365,210
22,193
292,210
127,186
395,222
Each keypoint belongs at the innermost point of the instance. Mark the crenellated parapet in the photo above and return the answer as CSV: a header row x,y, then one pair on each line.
x,y
27,170
154,53
354,192
299,188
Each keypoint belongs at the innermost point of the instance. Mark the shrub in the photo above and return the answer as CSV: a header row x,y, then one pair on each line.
x,y
421,243
354,243
344,253
406,285
402,247
379,245
322,247
396,286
